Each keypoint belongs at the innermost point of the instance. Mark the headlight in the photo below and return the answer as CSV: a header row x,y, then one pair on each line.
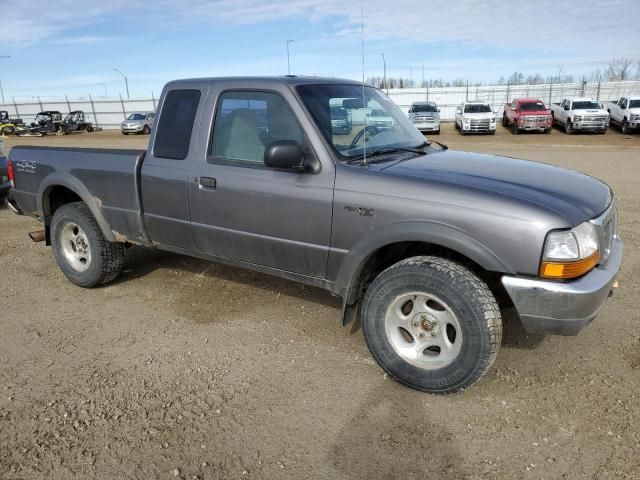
x,y
577,118
570,253
493,120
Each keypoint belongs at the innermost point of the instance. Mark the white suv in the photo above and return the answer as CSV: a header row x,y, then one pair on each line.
x,y
475,117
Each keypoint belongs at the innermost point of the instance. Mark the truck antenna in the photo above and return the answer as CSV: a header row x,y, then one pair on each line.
x,y
364,100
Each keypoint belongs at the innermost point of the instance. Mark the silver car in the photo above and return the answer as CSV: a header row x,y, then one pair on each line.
x,y
138,122
425,116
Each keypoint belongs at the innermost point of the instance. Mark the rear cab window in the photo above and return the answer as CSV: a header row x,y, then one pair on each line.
x,y
175,126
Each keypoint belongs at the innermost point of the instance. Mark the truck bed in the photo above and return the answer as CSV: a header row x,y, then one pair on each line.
x,y
106,179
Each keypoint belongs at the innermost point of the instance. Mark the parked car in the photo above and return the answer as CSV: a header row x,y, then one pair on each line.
x,y
425,116
584,114
625,113
527,114
379,118
417,238
76,121
48,121
341,122
139,122
5,184
9,125
475,117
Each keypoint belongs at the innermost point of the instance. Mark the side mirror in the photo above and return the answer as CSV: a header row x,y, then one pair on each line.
x,y
438,110
566,107
287,155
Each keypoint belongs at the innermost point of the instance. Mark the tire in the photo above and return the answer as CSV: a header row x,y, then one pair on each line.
x,y
146,130
75,235
452,296
505,121
455,123
493,132
89,128
436,132
125,133
514,128
568,129
624,128
7,131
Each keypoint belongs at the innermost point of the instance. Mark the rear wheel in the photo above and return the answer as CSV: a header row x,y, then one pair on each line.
x,y
432,324
7,130
83,254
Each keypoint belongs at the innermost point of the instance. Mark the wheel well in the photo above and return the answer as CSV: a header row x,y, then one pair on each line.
x,y
391,254
57,197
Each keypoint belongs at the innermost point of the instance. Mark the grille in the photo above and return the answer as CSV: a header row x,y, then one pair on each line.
x,y
535,118
423,120
479,125
596,118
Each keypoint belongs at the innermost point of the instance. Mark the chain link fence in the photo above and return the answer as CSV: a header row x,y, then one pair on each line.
x,y
107,113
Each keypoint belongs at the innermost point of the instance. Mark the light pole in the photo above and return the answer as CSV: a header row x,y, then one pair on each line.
x,y
1,90
105,88
126,80
384,82
288,58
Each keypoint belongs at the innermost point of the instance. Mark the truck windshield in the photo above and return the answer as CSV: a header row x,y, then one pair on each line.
x,y
423,108
532,107
378,124
136,116
477,109
634,103
586,105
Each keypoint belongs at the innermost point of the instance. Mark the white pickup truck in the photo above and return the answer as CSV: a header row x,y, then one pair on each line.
x,y
625,113
475,117
585,114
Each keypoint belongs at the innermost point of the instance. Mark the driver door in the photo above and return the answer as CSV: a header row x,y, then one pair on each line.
x,y
245,211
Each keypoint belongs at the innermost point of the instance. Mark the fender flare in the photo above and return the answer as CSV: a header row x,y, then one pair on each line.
x,y
435,233
60,179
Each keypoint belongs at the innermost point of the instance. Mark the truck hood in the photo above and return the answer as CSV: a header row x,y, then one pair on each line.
x,y
590,112
573,195
479,115
535,112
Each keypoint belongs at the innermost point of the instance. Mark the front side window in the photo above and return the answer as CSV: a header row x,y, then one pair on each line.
x,y
373,123
174,129
247,122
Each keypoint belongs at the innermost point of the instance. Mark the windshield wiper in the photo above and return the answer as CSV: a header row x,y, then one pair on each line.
x,y
385,151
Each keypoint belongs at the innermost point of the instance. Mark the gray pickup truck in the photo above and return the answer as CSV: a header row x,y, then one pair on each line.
x,y
422,243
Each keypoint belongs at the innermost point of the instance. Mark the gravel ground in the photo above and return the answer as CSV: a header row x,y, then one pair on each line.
x,y
187,369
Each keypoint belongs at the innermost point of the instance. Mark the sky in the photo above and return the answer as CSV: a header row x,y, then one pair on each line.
x,y
71,47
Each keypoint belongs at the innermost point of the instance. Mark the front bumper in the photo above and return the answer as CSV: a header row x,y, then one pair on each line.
x,y
590,125
134,129
427,127
564,308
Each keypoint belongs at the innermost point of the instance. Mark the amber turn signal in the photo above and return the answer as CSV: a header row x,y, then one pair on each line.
x,y
569,269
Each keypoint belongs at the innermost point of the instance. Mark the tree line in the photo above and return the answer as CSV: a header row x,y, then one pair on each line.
x,y
618,69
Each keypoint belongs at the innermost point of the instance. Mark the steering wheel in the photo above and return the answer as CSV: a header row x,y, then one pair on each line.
x,y
373,130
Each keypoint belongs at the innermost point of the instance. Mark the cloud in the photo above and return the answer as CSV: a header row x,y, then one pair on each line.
x,y
573,27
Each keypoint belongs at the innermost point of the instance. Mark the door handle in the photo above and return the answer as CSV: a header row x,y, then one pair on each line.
x,y
207,182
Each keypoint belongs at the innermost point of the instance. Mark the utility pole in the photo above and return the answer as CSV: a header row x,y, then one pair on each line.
x,y
105,88
422,84
1,90
288,58
384,81
126,80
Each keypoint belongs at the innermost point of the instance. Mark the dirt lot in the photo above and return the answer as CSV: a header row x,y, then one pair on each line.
x,y
188,369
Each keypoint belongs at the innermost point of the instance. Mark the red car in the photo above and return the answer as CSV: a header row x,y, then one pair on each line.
x,y
527,114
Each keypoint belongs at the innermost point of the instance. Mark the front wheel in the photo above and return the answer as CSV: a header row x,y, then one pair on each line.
x,y
83,254
624,127
568,128
432,324
146,130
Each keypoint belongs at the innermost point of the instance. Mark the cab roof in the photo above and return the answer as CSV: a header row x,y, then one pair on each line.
x,y
292,80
